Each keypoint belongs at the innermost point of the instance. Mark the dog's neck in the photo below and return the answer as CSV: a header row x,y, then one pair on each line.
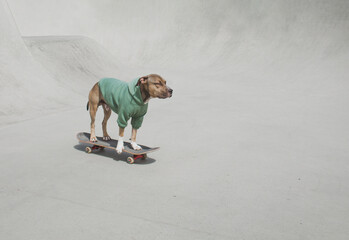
x,y
145,94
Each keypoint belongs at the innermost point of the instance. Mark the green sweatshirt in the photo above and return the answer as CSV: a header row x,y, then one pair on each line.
x,y
125,99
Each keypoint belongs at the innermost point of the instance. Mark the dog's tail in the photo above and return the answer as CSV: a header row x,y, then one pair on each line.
x,y
88,104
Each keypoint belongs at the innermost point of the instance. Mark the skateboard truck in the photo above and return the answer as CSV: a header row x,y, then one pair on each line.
x,y
94,147
131,160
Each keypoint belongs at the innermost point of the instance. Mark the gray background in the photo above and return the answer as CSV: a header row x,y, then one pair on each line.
x,y
254,142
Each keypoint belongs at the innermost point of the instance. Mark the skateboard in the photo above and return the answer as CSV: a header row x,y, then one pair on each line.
x,y
84,137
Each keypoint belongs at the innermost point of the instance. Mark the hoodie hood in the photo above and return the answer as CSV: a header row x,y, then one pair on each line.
x,y
135,91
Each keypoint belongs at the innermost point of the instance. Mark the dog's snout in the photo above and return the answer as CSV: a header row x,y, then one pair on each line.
x,y
170,91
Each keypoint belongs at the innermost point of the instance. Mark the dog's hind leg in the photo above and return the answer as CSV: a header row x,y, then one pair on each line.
x,y
107,113
93,100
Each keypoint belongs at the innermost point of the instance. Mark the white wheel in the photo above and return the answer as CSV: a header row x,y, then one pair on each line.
x,y
130,160
88,149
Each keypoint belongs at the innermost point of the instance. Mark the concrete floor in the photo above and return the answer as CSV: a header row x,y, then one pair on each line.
x,y
254,141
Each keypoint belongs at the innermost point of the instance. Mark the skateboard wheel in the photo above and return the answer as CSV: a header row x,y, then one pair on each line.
x,y
130,160
144,156
88,149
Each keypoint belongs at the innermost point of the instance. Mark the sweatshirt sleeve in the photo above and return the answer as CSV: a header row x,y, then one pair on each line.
x,y
122,119
136,122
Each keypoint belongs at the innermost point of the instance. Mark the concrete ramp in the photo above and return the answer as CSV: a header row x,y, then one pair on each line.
x,y
75,62
26,88
225,36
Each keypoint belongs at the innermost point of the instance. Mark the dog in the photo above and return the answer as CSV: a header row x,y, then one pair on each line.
x,y
128,100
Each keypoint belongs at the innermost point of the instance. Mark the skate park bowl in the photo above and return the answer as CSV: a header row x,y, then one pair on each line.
x,y
254,142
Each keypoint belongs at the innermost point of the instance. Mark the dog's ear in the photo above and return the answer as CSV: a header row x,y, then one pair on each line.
x,y
142,80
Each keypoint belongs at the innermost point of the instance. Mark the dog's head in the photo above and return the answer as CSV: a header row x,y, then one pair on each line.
x,y
155,86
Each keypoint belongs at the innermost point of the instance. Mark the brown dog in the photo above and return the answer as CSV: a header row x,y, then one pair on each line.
x,y
128,100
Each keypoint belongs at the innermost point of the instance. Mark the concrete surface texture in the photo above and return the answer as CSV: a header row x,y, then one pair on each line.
x,y
254,142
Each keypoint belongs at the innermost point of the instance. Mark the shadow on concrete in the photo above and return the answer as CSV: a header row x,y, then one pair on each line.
x,y
112,154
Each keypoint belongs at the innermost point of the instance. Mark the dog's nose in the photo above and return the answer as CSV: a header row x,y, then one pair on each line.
x,y
170,90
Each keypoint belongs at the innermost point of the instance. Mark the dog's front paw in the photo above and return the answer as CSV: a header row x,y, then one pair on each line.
x,y
135,146
120,146
93,138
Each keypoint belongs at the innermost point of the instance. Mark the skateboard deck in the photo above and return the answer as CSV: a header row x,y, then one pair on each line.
x,y
84,137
